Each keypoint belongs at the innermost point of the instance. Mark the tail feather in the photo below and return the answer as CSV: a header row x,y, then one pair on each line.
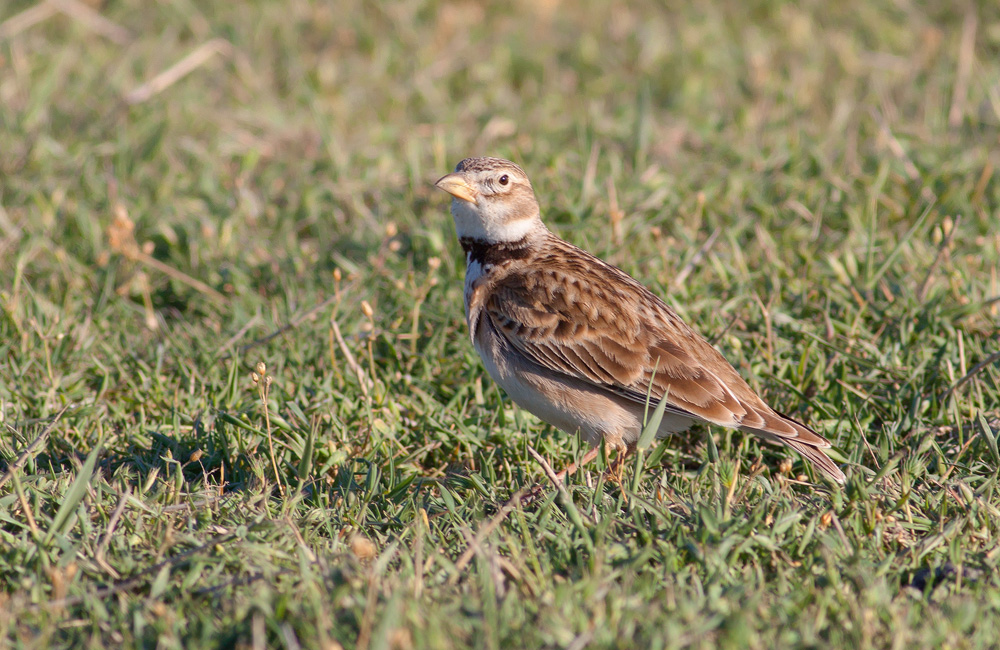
x,y
818,458
809,444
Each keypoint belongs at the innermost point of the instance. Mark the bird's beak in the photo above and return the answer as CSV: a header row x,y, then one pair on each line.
x,y
456,185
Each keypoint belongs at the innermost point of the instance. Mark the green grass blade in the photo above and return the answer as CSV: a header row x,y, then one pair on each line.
x,y
873,280
653,424
991,438
74,495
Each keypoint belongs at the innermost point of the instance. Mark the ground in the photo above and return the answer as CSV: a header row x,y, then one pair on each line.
x,y
190,190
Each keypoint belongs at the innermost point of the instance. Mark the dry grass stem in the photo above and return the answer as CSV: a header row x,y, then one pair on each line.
x,y
549,472
39,439
93,20
975,370
263,382
966,58
122,240
26,19
197,58
941,253
696,258
363,380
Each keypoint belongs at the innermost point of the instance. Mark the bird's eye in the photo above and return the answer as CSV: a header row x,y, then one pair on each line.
x,y
504,180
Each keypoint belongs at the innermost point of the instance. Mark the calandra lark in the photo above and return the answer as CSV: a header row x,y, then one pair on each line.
x,y
580,343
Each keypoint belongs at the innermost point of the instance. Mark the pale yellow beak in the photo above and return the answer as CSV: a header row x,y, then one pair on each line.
x,y
456,185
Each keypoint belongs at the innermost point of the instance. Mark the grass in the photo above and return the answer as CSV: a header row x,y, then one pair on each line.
x,y
161,236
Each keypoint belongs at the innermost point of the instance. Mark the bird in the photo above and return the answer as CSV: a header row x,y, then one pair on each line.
x,y
583,345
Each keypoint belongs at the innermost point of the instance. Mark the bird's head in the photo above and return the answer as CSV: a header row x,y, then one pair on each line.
x,y
492,201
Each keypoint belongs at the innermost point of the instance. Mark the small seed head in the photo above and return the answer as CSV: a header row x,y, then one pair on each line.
x,y
362,547
946,225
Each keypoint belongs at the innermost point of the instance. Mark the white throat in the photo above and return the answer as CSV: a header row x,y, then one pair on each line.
x,y
471,223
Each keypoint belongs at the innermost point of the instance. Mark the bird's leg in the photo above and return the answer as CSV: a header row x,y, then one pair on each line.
x,y
572,467
532,495
614,471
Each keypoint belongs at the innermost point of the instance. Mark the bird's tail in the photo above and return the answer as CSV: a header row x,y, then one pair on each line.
x,y
818,458
778,427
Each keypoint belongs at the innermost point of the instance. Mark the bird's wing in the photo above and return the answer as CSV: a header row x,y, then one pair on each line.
x,y
613,333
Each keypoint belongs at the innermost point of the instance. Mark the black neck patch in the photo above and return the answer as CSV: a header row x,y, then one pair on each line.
x,y
492,254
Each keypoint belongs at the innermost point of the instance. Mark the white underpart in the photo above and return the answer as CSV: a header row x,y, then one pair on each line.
x,y
474,222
